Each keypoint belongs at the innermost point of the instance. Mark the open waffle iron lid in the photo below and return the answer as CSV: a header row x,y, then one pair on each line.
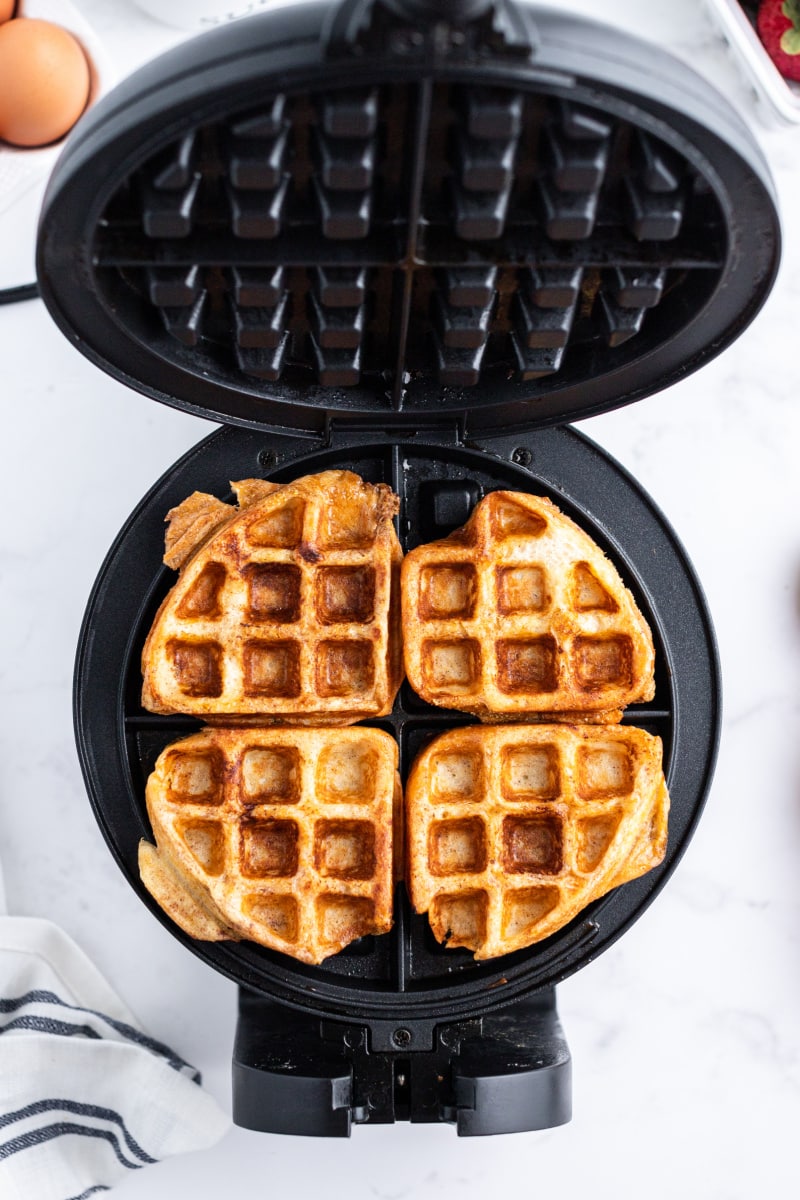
x,y
407,214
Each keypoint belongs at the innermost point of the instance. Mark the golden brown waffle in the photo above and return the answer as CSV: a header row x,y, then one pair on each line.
x,y
282,836
520,613
286,609
512,830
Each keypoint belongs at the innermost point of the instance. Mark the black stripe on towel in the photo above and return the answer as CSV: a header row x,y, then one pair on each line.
x,y
134,1035
99,1187
46,1133
50,1025
82,1110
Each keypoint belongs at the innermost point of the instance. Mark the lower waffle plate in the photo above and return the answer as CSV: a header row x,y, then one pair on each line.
x,y
404,974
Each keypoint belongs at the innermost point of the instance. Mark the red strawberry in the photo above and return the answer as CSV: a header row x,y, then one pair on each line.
x,y
779,29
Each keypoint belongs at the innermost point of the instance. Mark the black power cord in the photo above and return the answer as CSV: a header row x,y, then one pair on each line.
x,y
26,291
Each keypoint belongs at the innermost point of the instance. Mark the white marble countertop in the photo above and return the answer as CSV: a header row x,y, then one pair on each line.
x,y
685,1035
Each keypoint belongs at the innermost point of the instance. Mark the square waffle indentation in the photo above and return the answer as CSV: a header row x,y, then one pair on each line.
x,y
202,600
344,849
342,919
279,914
345,594
270,849
528,665
271,775
273,592
281,529
205,841
603,662
524,908
445,505
457,776
513,520
531,772
197,666
460,919
457,846
448,591
533,845
452,666
604,771
521,589
348,526
346,773
345,668
272,669
594,836
588,593
195,778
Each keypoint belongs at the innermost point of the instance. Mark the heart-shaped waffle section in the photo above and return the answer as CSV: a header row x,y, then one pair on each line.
x,y
513,830
520,613
286,608
281,836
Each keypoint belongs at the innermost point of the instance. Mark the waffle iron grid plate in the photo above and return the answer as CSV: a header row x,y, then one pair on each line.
x,y
406,972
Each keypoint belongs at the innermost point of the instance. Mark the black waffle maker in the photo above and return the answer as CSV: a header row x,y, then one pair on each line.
x,y
410,239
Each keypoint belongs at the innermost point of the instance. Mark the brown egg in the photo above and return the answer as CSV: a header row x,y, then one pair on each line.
x,y
45,82
7,10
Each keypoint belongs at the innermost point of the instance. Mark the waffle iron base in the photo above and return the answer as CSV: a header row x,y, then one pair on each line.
x,y
398,1026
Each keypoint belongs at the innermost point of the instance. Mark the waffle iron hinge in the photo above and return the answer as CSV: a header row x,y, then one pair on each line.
x,y
339,434
506,1072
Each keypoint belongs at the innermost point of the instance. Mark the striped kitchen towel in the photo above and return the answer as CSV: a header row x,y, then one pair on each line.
x,y
85,1095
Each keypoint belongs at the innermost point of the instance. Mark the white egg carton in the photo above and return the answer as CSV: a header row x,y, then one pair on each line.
x,y
21,169
778,99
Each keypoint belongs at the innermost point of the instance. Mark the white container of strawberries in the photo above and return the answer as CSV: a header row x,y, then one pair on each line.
x,y
763,37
